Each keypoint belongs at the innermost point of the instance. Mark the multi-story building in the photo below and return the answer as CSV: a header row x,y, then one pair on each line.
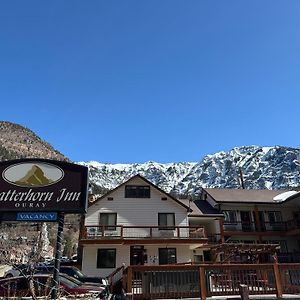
x,y
259,217
135,224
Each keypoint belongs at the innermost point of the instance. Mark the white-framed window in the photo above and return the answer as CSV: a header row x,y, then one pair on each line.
x,y
107,219
166,219
230,216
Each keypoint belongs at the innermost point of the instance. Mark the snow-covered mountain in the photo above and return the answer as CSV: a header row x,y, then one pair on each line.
x,y
166,176
262,167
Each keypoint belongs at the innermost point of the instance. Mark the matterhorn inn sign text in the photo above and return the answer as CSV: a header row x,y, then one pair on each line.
x,y
43,185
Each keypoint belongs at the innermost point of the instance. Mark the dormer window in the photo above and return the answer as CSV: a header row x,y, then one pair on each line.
x,y
137,191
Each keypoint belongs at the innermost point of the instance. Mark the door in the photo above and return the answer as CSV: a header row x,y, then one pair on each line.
x,y
246,221
137,255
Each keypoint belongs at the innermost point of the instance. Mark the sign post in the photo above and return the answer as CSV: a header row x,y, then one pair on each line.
x,y
54,292
43,190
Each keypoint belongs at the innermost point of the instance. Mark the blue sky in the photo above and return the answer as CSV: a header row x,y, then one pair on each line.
x,y
133,81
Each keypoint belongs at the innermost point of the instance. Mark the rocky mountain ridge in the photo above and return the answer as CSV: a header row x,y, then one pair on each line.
x,y
261,167
275,167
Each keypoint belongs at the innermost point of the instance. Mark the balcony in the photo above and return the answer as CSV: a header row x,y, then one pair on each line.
x,y
252,227
124,233
239,226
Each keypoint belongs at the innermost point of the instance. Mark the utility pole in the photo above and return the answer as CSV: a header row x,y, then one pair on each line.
x,y
241,178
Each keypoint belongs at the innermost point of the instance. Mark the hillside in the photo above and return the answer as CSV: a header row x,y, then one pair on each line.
x,y
19,142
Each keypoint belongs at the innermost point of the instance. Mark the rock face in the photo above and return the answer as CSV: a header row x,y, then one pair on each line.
x,y
19,142
261,168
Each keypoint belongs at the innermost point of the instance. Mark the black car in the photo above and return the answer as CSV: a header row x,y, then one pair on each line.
x,y
73,272
48,269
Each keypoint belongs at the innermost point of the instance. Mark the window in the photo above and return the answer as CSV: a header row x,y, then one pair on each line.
x,y
230,216
137,191
167,256
106,258
166,219
107,219
274,216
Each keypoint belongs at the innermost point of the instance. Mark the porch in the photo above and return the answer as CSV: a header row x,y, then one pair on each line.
x,y
208,280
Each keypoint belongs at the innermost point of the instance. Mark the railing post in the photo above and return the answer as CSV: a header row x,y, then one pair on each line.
x,y
278,282
202,283
221,222
178,232
129,279
122,231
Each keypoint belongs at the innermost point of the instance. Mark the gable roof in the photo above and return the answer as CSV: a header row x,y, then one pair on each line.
x,y
243,196
148,182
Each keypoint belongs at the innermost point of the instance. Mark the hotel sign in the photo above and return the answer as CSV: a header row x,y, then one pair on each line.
x,y
43,185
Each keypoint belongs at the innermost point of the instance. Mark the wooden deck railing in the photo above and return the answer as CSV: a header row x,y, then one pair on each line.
x,y
114,277
147,232
206,280
251,226
290,277
283,226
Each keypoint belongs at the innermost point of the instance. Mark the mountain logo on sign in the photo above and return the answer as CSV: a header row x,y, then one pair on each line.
x,y
34,177
33,174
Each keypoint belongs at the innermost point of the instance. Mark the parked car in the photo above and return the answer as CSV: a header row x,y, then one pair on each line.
x,y
42,283
48,269
74,272
20,269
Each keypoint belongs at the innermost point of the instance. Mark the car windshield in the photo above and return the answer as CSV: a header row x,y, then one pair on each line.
x,y
72,271
69,283
71,278
79,273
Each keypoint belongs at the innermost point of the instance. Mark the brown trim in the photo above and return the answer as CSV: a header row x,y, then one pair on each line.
x,y
257,222
148,182
143,241
207,216
248,202
255,233
221,222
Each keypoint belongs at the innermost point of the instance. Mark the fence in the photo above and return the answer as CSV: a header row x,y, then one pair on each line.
x,y
290,278
206,280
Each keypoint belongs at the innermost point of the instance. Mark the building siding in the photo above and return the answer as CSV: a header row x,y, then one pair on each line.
x,y
137,211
